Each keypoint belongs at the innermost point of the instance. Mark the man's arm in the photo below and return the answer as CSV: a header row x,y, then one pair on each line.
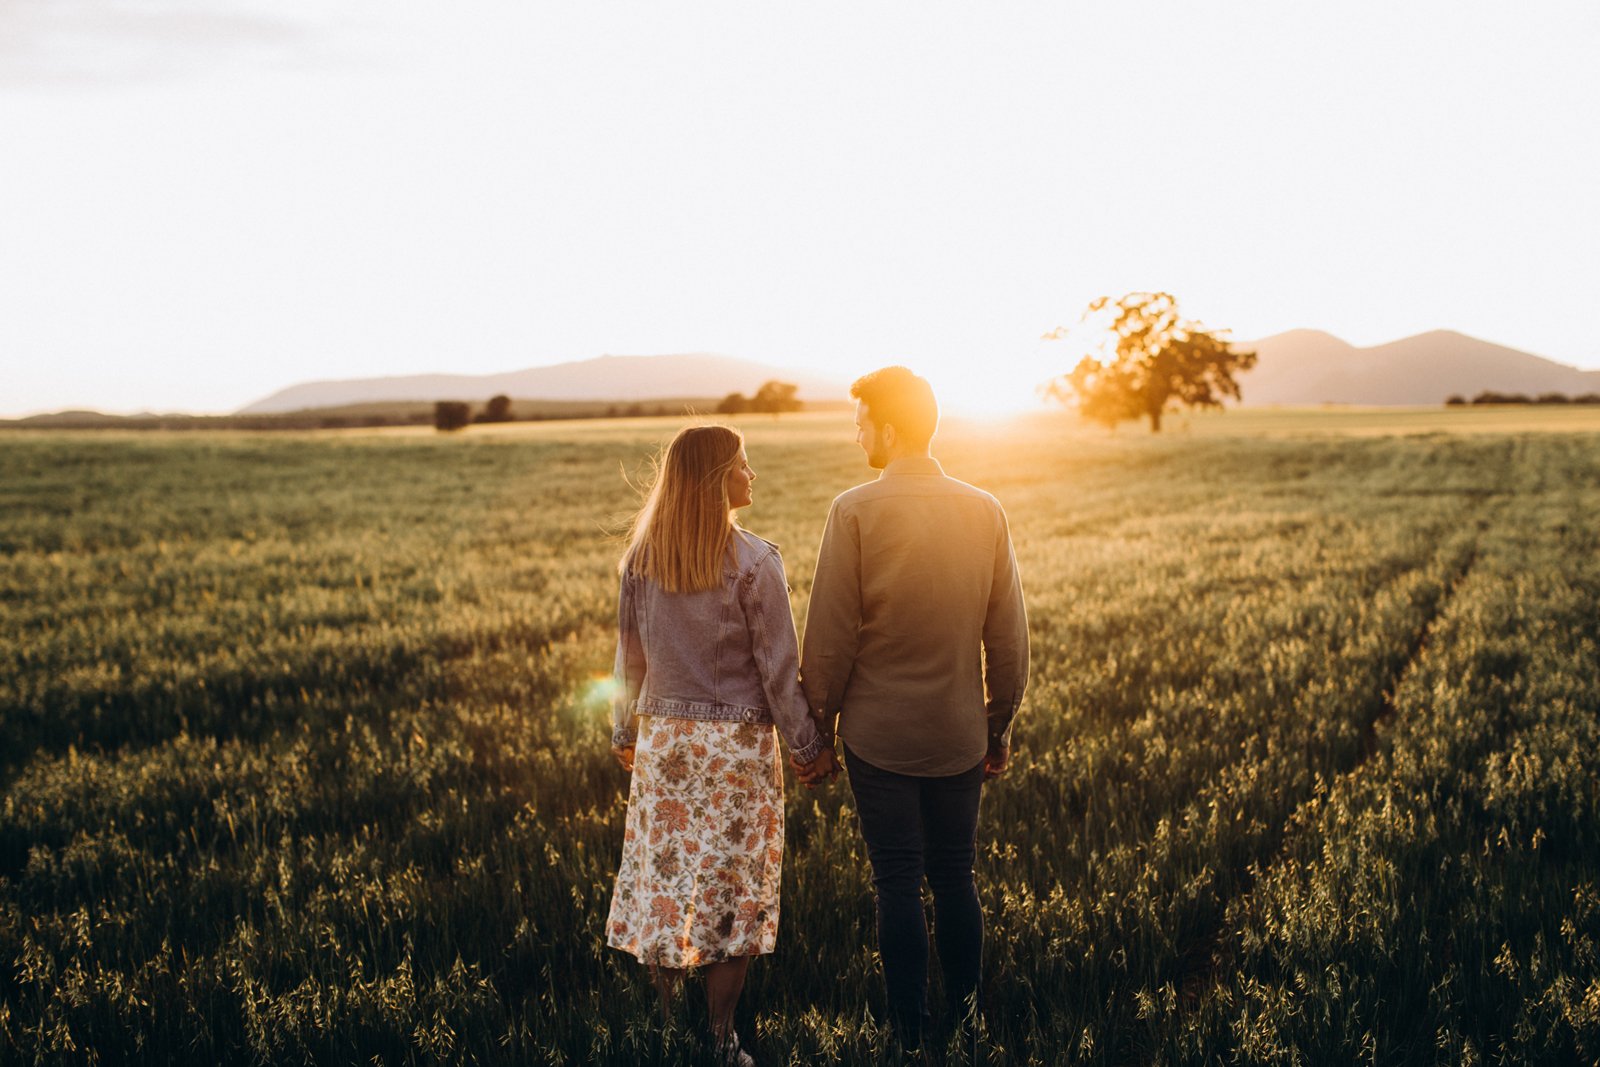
x,y
833,620
1005,643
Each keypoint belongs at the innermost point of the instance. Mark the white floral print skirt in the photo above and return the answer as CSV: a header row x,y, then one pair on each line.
x,y
702,852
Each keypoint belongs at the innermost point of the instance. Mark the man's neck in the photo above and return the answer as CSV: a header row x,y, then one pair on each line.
x,y
898,452
911,454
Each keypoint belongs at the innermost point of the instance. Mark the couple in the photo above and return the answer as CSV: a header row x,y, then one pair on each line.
x,y
916,644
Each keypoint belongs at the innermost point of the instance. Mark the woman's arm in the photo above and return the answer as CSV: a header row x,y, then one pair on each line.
x,y
777,655
628,671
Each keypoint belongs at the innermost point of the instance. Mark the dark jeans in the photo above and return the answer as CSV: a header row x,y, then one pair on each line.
x,y
915,827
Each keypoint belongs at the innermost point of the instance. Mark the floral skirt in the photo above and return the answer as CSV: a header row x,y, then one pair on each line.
x,y
702,853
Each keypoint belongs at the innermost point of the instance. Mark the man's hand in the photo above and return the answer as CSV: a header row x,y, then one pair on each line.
x,y
624,755
824,768
994,763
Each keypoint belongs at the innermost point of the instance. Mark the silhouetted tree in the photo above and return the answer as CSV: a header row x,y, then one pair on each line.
x,y
1140,357
1456,401
499,409
733,404
451,415
774,397
1587,398
1553,398
1489,396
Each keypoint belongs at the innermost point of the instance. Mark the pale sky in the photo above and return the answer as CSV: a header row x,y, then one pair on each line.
x,y
203,201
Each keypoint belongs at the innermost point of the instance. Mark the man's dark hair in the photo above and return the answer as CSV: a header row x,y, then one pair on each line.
x,y
894,396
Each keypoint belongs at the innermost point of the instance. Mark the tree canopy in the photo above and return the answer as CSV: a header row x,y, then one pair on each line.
x,y
1140,357
499,409
772,397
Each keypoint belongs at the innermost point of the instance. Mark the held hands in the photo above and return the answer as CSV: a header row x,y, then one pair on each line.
x,y
821,770
624,756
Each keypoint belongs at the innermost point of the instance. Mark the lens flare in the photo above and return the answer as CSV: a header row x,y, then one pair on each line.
x,y
598,692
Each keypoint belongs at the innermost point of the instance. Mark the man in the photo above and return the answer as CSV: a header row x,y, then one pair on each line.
x,y
917,642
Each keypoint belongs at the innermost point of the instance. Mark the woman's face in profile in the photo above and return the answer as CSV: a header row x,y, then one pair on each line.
x,y
739,480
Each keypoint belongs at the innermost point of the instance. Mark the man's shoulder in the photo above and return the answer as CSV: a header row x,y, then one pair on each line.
x,y
957,487
856,494
886,490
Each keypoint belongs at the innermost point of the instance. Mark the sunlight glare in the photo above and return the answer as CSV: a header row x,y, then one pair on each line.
x,y
988,392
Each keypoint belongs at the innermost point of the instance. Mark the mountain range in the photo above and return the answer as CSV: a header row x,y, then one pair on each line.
x,y
1312,367
1297,367
609,378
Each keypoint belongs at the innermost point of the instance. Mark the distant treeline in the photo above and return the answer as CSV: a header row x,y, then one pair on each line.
x,y
1491,397
771,398
458,414
394,413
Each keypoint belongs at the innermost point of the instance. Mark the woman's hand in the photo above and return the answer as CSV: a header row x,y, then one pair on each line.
x,y
824,767
624,755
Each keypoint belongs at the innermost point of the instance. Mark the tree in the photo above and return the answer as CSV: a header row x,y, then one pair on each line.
x,y
499,409
1140,357
774,397
451,415
733,404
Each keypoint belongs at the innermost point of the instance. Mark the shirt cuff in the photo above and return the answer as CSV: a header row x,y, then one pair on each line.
x,y
1000,723
809,752
827,726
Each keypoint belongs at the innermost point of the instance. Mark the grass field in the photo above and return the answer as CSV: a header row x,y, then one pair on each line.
x,y
304,747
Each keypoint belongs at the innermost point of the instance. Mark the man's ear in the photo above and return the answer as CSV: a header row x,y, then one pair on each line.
x,y
888,435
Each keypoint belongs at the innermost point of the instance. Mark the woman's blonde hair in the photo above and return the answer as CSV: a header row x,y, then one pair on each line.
x,y
680,536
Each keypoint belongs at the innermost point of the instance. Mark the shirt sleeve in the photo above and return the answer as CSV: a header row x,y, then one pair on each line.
x,y
833,621
628,671
1005,641
777,655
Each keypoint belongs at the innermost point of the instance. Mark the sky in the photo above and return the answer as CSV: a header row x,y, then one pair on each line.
x,y
204,201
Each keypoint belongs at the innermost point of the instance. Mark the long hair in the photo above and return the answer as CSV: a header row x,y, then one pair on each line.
x,y
680,536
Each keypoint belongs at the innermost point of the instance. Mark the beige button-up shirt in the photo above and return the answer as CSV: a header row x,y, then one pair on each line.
x,y
916,638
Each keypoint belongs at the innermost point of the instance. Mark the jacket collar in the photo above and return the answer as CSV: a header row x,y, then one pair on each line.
x,y
925,465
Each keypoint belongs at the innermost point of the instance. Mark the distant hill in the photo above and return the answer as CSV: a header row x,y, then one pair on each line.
x,y
606,378
1311,367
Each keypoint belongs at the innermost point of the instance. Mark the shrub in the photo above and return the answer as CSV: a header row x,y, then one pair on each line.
x,y
451,415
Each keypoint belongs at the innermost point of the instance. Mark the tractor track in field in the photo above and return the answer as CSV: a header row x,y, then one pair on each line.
x,y
1210,954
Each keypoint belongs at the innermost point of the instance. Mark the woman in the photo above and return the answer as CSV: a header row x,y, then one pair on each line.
x,y
708,665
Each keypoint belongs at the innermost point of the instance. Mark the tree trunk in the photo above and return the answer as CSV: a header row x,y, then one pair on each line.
x,y
1155,422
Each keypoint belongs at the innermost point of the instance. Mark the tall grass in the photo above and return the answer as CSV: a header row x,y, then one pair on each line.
x,y
305,750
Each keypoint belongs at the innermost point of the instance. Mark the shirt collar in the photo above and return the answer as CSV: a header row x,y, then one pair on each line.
x,y
912,465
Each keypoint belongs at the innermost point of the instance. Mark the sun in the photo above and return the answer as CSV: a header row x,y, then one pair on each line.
x,y
989,393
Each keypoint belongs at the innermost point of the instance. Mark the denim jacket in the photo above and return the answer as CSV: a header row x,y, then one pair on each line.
x,y
727,654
